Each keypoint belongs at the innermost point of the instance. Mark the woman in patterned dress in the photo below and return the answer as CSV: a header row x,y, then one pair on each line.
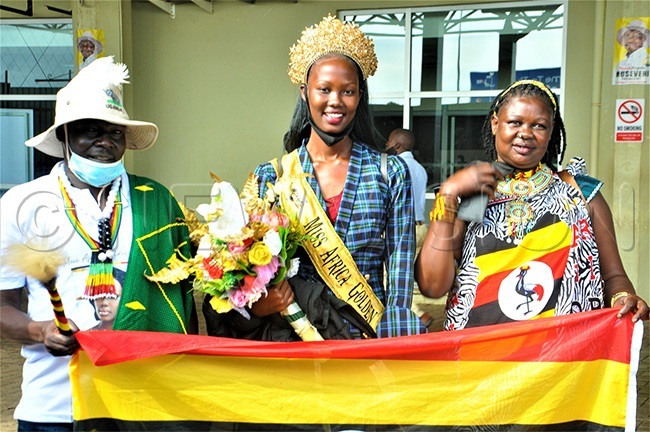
x,y
545,244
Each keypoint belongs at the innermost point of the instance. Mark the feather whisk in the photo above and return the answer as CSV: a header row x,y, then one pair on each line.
x,y
41,264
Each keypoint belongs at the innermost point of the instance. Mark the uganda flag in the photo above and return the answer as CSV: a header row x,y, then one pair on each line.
x,y
575,372
520,281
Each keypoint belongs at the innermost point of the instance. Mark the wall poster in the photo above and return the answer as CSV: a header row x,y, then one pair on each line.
x,y
631,56
90,46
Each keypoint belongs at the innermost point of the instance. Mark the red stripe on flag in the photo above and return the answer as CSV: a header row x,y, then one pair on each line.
x,y
488,289
587,333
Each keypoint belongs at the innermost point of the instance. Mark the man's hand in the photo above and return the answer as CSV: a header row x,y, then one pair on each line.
x,y
56,343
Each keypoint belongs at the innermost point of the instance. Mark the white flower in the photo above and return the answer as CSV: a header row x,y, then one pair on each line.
x,y
224,214
205,246
294,264
273,242
211,211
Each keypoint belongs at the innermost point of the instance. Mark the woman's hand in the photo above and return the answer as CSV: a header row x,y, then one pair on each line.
x,y
633,304
478,178
277,299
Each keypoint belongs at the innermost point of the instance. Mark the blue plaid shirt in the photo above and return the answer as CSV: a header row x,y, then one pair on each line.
x,y
369,209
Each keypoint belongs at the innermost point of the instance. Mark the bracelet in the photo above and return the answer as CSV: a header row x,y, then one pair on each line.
x,y
444,208
618,295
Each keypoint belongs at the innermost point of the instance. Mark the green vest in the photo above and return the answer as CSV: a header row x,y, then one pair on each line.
x,y
158,231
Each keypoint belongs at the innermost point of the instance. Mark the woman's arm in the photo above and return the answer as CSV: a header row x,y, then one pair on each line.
x,y
400,235
435,267
618,286
398,318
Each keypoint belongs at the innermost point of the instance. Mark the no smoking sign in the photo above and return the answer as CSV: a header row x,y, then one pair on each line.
x,y
629,120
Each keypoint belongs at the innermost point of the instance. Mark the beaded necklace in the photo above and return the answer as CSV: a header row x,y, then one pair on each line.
x,y
519,187
100,282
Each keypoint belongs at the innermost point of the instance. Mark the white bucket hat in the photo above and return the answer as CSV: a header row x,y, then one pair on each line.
x,y
95,93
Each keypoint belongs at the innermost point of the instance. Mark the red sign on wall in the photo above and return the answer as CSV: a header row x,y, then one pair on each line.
x,y
629,120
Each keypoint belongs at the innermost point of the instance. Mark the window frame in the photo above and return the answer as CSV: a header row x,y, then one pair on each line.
x,y
31,99
407,95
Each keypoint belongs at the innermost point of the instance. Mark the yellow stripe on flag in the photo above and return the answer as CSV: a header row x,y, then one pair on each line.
x,y
536,244
350,391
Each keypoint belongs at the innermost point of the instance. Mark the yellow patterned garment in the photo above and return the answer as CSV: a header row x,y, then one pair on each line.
x,y
534,255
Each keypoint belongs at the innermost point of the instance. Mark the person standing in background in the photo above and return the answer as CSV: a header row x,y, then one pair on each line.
x,y
401,143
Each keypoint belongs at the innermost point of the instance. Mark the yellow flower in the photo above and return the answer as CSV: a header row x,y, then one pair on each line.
x,y
259,254
228,263
220,305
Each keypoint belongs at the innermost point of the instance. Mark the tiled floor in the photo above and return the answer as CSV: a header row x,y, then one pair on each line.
x,y
643,384
11,365
10,378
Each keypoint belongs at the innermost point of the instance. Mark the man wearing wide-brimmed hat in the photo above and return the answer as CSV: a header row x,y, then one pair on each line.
x,y
100,219
634,38
89,47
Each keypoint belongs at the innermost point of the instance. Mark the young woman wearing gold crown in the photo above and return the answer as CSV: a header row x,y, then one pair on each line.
x,y
355,203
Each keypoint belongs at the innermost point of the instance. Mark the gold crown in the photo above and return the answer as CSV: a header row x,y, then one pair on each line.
x,y
331,36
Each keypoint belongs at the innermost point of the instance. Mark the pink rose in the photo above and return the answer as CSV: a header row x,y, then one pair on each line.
x,y
248,285
266,272
238,298
236,248
276,219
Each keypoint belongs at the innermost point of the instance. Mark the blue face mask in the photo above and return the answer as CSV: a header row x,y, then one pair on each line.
x,y
94,173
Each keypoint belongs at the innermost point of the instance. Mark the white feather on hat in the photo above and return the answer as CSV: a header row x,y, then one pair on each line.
x,y
95,93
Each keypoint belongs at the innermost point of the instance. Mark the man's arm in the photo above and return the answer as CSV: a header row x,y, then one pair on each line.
x,y
15,325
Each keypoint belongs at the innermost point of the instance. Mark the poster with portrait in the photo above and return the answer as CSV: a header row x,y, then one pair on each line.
x,y
631,54
90,46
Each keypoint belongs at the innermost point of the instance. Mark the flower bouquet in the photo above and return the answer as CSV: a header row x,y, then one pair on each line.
x,y
245,244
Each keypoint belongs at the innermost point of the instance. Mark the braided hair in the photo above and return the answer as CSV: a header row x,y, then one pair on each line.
x,y
528,88
363,131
